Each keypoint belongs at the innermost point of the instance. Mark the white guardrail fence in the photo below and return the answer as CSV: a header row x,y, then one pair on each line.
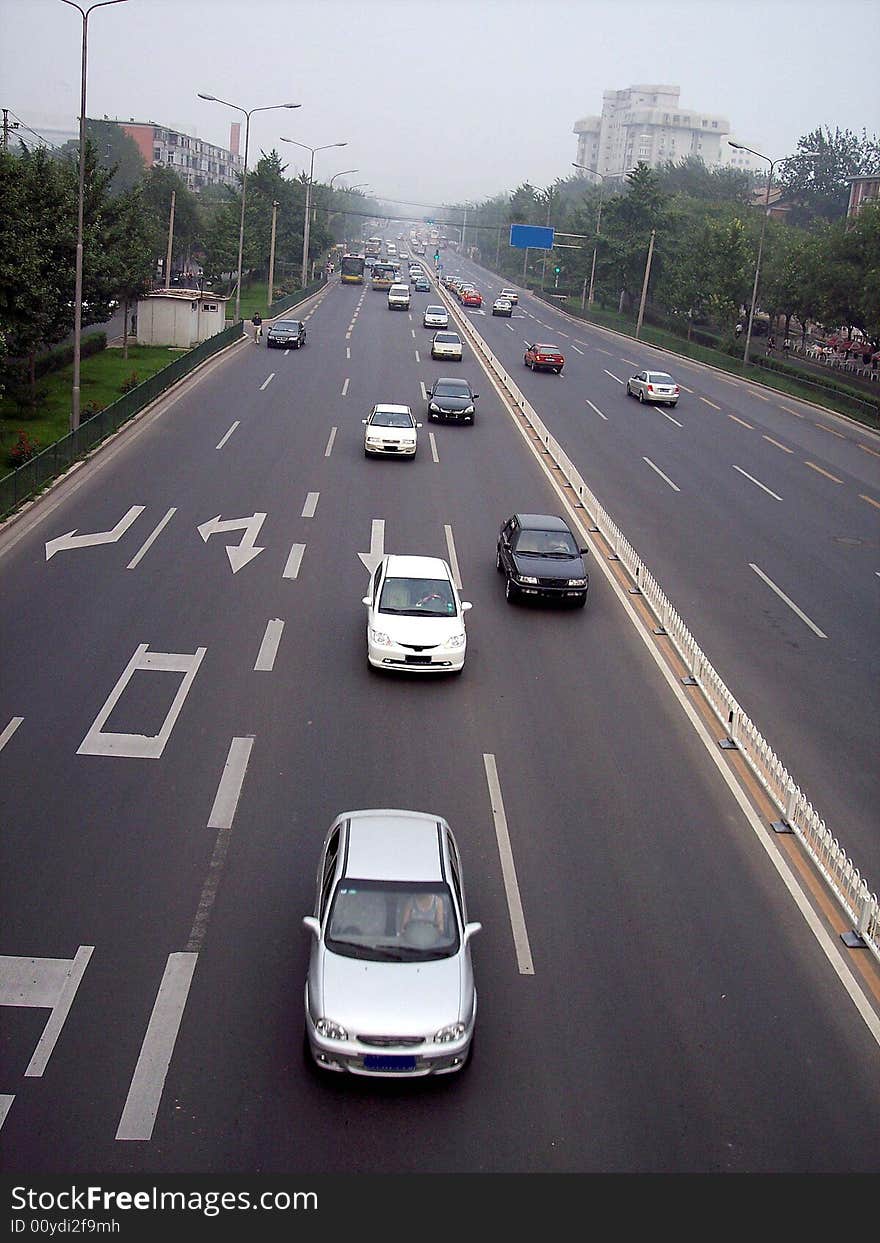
x,y
798,815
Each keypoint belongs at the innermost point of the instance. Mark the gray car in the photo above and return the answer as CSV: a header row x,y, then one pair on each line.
x,y
390,989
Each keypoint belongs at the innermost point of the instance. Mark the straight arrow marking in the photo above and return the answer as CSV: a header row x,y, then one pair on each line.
x,y
377,546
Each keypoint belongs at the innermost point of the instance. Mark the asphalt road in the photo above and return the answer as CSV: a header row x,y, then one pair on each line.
x,y
674,1011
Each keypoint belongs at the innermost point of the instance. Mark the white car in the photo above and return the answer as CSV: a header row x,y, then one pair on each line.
x,y
435,317
446,345
415,618
390,989
390,430
511,294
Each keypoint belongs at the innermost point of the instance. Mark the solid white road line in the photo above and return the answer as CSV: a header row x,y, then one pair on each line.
x,y
660,473
236,424
791,604
611,373
231,781
269,647
148,1082
757,482
433,441
345,386
294,561
329,448
311,505
74,969
508,870
148,543
667,415
267,381
10,730
598,411
453,560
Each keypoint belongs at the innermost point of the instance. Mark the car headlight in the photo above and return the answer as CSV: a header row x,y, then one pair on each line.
x,y
434,408
380,637
457,640
454,1031
469,410
527,578
577,582
330,1030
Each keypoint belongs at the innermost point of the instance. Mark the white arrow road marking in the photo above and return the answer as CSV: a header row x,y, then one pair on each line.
x,y
72,540
377,545
238,554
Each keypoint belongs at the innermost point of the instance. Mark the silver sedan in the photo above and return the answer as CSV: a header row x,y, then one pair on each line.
x,y
654,386
390,989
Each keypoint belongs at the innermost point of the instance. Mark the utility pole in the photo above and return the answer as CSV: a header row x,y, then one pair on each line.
x,y
272,255
170,242
645,284
7,126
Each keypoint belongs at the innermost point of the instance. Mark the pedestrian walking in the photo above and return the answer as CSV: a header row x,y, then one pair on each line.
x,y
257,322
786,346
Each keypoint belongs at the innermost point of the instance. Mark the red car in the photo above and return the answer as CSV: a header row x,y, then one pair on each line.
x,y
544,358
471,297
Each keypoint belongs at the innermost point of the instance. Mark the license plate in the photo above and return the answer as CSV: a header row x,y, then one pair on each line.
x,y
379,1061
418,660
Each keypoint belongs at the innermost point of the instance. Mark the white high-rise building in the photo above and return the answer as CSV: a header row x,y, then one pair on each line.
x,y
649,124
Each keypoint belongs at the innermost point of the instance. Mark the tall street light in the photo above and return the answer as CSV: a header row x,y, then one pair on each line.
x,y
77,306
247,126
344,173
772,164
603,176
306,147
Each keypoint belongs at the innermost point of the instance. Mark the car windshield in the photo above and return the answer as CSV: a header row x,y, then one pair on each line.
x,y
391,418
287,325
417,597
447,338
546,544
436,310
392,921
546,349
451,388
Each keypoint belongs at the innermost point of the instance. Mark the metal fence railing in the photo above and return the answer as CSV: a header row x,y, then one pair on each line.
x,y
849,888
26,480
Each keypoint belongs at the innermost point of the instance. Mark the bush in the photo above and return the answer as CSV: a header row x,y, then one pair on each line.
x,y
23,450
128,384
90,409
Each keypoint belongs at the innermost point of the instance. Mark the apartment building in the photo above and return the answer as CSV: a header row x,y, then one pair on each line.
x,y
649,124
196,162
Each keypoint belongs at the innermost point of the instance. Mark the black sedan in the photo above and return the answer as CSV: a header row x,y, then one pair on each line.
x,y
451,398
539,557
286,334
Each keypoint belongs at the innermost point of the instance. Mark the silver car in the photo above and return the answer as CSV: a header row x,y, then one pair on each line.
x,y
435,317
446,345
390,990
653,386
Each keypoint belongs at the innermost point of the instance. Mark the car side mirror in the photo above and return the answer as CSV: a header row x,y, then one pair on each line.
x,y
418,425
465,605
364,421
366,600
470,930
314,927
476,395
583,551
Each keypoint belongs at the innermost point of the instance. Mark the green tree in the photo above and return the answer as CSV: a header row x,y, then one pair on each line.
x,y
158,185
129,245
115,151
818,184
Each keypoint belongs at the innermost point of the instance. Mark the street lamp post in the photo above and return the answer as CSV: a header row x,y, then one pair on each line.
x,y
247,127
77,305
306,223
753,303
598,223
272,255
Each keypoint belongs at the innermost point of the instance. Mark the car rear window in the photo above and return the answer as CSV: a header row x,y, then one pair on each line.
x,y
447,338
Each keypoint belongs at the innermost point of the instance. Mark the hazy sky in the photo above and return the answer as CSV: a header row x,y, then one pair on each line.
x,y
442,100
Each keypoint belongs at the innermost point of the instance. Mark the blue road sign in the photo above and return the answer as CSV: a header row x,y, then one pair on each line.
x,y
531,236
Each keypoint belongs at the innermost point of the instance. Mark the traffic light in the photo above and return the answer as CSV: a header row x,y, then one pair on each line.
x,y
436,256
557,270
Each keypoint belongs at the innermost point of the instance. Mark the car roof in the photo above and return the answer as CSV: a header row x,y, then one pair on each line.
x,y
542,522
455,380
391,844
435,308
391,409
446,336
664,373
400,566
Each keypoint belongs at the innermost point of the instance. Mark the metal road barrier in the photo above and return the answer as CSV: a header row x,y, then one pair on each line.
x,y
798,816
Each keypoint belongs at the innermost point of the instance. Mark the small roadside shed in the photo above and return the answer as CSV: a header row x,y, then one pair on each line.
x,y
181,317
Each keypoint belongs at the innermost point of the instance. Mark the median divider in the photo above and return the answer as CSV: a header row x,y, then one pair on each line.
x,y
797,815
